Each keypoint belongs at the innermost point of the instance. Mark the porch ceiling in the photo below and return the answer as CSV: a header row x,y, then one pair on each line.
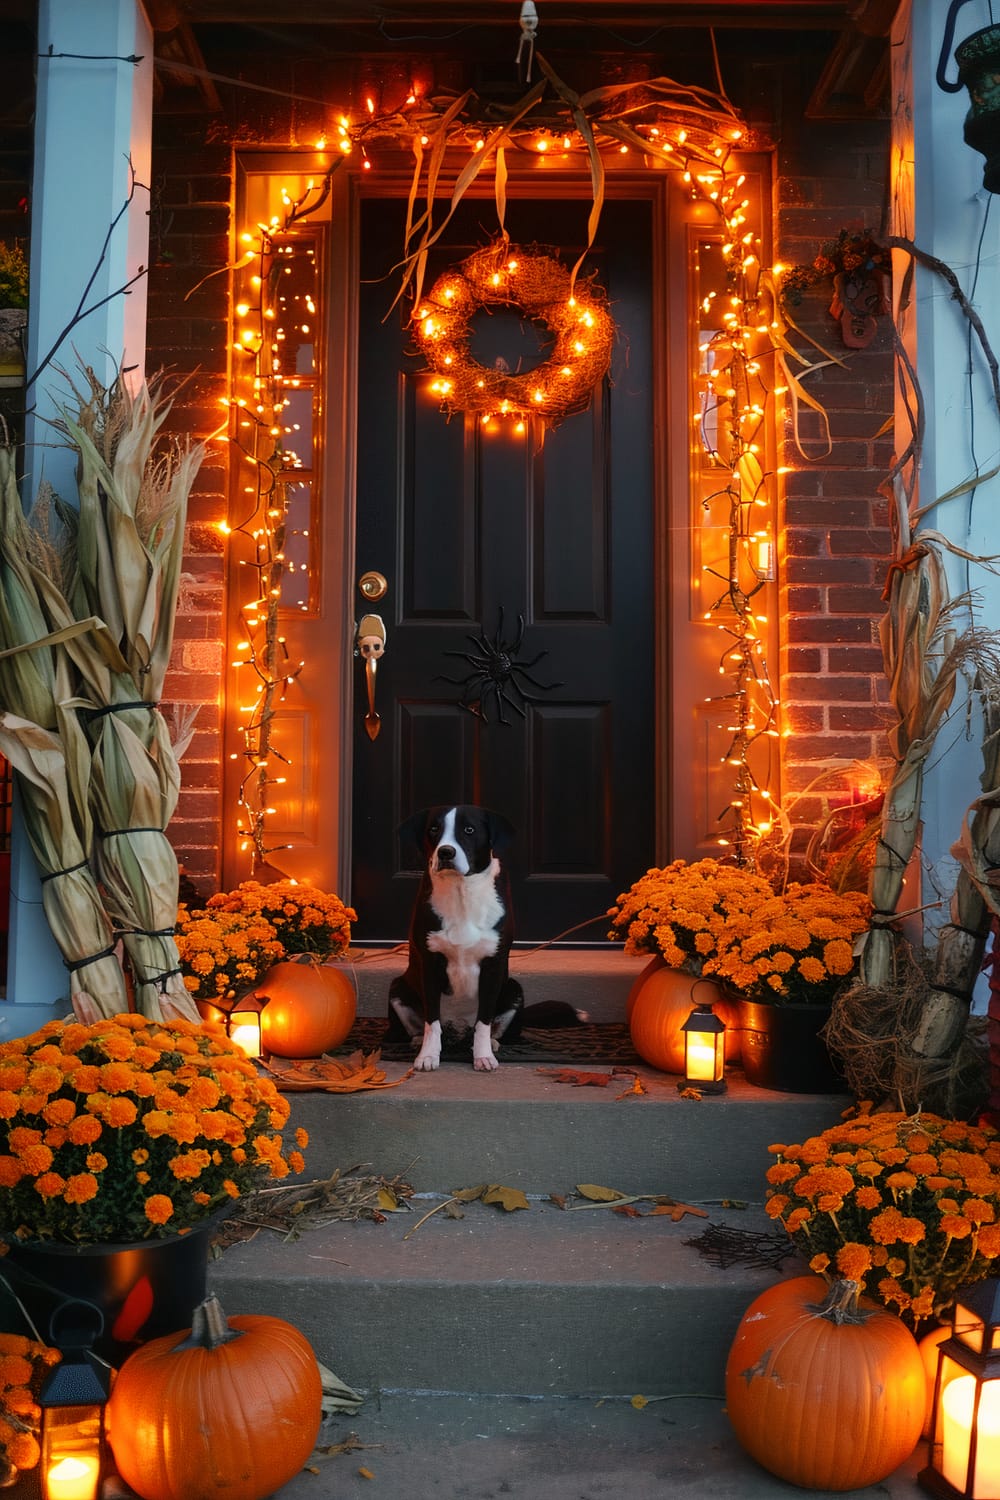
x,y
848,36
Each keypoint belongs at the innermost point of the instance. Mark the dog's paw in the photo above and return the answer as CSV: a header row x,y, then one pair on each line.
x,y
484,1058
429,1056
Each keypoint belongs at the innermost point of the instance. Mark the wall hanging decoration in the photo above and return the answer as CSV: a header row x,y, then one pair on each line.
x,y
496,673
502,275
858,266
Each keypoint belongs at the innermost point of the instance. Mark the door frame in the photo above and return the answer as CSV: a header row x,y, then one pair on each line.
x,y
683,645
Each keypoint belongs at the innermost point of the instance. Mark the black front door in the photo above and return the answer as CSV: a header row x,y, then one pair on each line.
x,y
538,547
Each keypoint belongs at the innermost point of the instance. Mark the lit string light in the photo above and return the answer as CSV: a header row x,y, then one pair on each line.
x,y
685,131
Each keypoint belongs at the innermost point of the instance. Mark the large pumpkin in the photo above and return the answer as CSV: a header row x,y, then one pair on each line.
x,y
310,1008
660,1004
823,1388
232,1409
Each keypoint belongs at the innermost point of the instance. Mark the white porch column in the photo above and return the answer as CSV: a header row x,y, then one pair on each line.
x,y
93,117
940,204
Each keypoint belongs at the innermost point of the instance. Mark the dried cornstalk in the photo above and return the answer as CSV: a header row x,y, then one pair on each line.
x,y
922,665
40,737
128,535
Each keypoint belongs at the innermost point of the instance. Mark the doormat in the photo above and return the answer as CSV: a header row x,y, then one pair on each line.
x,y
606,1044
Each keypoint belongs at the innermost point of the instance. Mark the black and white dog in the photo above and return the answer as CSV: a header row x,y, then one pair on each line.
x,y
460,937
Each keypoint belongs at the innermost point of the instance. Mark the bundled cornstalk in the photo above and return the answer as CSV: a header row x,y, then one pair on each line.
x,y
40,737
922,667
129,536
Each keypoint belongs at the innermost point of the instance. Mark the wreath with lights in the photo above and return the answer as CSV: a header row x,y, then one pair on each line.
x,y
503,275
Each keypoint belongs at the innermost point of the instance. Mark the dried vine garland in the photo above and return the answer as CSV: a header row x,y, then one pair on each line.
x,y
503,275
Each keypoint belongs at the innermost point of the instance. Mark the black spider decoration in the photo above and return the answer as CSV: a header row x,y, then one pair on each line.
x,y
494,671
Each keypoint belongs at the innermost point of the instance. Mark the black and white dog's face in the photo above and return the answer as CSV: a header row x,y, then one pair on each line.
x,y
462,840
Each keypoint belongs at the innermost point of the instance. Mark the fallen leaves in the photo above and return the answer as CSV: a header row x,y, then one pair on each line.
x,y
331,1075
493,1192
288,1211
623,1203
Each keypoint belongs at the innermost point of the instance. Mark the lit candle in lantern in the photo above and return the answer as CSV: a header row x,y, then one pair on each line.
x,y
957,1406
700,1060
244,1030
73,1478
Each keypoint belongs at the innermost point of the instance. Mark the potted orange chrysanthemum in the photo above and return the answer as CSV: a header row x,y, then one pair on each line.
x,y
786,965
122,1143
681,914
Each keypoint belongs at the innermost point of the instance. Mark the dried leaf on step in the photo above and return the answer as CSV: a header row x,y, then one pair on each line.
x,y
508,1198
690,1093
452,1211
629,1211
559,1199
598,1194
677,1211
635,1087
387,1200
366,1474
578,1079
333,1075
469,1195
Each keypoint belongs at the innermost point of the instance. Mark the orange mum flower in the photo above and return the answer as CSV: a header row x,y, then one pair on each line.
x,y
158,1208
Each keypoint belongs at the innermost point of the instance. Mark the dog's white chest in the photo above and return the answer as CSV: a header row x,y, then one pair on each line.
x,y
469,910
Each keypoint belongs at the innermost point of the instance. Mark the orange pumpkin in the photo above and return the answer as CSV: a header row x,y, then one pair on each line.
x,y
661,1005
310,1008
232,1408
823,1388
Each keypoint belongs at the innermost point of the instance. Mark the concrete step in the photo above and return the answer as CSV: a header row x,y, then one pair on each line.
x,y
538,1302
521,1126
432,1447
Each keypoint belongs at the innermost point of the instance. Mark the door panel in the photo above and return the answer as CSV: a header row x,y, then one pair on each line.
x,y
491,541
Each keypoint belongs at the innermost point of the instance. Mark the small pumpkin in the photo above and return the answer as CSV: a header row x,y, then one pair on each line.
x,y
233,1408
310,1008
824,1388
660,1006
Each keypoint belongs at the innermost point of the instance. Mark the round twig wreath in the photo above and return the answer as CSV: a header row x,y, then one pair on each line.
x,y
540,287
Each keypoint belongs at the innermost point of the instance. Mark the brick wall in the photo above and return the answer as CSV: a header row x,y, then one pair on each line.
x,y
833,175
835,541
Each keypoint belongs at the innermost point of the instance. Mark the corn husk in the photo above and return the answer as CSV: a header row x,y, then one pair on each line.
x,y
94,604
34,680
70,897
129,536
922,665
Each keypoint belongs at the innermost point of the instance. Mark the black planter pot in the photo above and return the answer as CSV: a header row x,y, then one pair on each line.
x,y
113,1296
978,59
783,1050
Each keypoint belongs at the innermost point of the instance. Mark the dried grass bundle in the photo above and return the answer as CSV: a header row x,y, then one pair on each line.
x,y
871,1032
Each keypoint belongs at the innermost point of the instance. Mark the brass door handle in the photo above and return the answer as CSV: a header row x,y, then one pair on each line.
x,y
369,645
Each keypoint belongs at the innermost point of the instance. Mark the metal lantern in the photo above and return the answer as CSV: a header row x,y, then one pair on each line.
x,y
978,59
964,1456
241,1018
704,1050
71,1437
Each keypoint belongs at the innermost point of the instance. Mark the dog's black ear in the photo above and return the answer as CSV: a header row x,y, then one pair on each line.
x,y
412,831
501,832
